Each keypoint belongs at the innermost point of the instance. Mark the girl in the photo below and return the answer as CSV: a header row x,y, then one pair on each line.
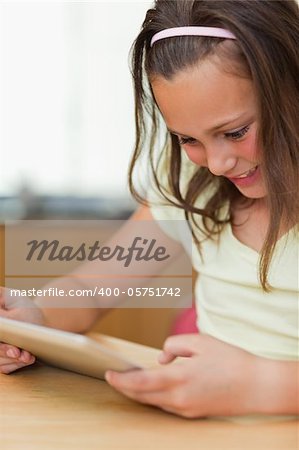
x,y
223,75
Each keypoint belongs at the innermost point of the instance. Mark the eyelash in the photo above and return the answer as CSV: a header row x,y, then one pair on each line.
x,y
184,141
235,135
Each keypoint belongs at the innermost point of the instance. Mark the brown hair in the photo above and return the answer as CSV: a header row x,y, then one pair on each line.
x,y
266,48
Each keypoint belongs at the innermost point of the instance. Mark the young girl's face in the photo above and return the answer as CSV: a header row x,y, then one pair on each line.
x,y
214,115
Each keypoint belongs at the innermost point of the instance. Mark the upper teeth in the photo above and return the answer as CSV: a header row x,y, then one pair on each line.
x,y
244,175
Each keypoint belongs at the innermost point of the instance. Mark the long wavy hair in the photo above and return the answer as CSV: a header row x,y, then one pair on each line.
x,y
266,50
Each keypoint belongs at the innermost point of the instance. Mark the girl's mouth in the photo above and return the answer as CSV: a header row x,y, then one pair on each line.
x,y
247,174
247,178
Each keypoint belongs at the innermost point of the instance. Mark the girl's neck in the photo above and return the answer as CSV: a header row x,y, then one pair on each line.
x,y
250,224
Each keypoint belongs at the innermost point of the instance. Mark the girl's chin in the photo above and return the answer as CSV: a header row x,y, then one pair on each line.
x,y
254,193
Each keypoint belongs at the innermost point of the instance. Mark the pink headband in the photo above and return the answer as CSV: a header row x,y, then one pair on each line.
x,y
192,31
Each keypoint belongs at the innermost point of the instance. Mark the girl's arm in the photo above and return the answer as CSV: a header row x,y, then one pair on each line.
x,y
79,318
63,313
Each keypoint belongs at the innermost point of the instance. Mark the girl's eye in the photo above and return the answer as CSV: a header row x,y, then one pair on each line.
x,y
235,135
184,141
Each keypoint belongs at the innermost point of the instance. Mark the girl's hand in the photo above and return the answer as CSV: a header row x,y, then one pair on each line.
x,y
11,357
215,379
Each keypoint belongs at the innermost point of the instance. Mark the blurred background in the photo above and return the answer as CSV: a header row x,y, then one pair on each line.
x,y
66,108
67,124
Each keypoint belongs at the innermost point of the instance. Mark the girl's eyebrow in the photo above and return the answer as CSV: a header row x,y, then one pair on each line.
x,y
227,122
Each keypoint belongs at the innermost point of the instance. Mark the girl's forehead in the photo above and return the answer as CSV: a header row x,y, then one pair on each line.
x,y
206,81
210,72
208,91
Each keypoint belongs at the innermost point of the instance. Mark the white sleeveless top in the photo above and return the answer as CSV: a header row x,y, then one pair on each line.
x,y
231,304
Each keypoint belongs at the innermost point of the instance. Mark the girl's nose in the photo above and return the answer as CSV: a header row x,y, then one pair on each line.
x,y
220,161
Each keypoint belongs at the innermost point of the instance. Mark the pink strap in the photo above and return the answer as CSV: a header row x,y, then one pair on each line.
x,y
192,31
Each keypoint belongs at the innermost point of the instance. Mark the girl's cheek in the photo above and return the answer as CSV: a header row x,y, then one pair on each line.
x,y
195,155
248,149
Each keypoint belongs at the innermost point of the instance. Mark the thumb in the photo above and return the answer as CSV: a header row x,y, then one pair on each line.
x,y
185,345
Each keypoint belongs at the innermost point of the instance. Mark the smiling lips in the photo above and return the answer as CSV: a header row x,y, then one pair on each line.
x,y
247,174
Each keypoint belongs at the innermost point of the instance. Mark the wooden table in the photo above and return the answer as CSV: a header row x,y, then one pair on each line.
x,y
46,408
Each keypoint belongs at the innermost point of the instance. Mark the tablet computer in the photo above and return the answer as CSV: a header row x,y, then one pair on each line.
x,y
63,349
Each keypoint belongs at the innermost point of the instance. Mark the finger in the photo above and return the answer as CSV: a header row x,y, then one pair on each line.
x,y
149,398
12,366
181,345
12,352
16,355
166,357
26,357
9,350
149,380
